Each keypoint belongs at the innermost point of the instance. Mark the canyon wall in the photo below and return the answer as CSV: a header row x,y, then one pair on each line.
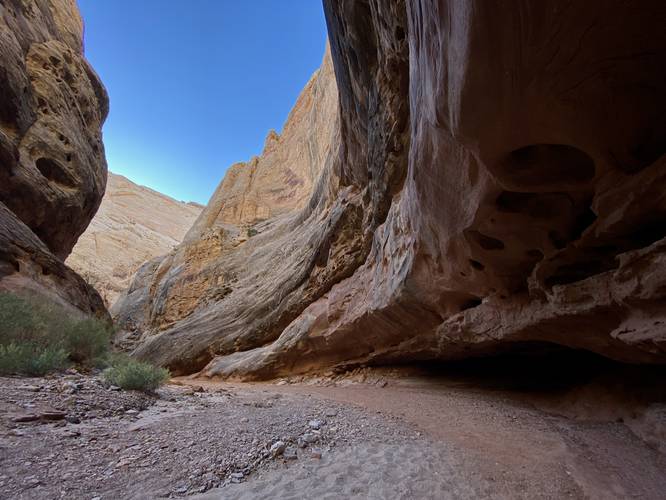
x,y
52,164
133,224
494,180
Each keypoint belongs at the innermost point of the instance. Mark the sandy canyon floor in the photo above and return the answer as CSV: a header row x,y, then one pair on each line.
x,y
367,434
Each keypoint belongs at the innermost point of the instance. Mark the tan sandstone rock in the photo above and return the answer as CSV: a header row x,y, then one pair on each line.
x,y
133,224
497,181
52,165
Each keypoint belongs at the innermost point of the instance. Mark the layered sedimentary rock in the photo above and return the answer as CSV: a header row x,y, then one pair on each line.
x,y
133,224
282,178
52,165
497,181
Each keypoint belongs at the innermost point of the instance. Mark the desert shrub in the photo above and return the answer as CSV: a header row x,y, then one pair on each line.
x,y
37,337
252,232
136,375
87,341
31,359
18,321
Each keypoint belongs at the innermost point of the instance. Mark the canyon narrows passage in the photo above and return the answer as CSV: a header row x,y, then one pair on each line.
x,y
490,176
445,277
457,179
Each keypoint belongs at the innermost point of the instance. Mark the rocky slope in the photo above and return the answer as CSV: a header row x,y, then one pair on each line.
x,y
52,165
494,181
133,224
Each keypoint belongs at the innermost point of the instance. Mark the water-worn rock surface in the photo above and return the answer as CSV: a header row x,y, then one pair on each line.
x,y
52,165
133,224
495,180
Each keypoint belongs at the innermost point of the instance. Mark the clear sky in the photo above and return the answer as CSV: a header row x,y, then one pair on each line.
x,y
195,86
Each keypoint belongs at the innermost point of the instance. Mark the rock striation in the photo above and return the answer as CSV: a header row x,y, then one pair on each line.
x,y
494,180
52,164
133,224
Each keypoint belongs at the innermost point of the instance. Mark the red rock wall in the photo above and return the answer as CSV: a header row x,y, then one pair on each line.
x,y
52,165
506,162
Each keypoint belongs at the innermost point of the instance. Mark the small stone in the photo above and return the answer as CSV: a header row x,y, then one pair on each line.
x,y
331,413
237,475
316,453
181,489
306,439
71,387
16,433
290,453
72,419
52,415
28,417
114,388
132,412
315,424
31,388
31,483
278,448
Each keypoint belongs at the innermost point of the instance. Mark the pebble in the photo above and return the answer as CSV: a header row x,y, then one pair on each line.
x,y
315,424
52,415
72,419
316,453
29,417
290,453
306,439
278,448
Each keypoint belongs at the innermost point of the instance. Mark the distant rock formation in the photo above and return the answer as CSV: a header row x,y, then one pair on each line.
x,y
133,224
52,165
494,179
252,199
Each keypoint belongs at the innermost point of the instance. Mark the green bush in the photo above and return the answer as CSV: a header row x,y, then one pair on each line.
x,y
37,337
28,359
87,341
130,374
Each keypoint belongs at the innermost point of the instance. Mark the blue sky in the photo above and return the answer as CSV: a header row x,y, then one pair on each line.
x,y
195,86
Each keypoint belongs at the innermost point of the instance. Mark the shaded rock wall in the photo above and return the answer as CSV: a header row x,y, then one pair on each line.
x,y
501,165
52,165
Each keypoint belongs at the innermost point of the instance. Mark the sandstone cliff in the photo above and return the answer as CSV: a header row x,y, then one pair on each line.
x,y
495,179
52,164
133,224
